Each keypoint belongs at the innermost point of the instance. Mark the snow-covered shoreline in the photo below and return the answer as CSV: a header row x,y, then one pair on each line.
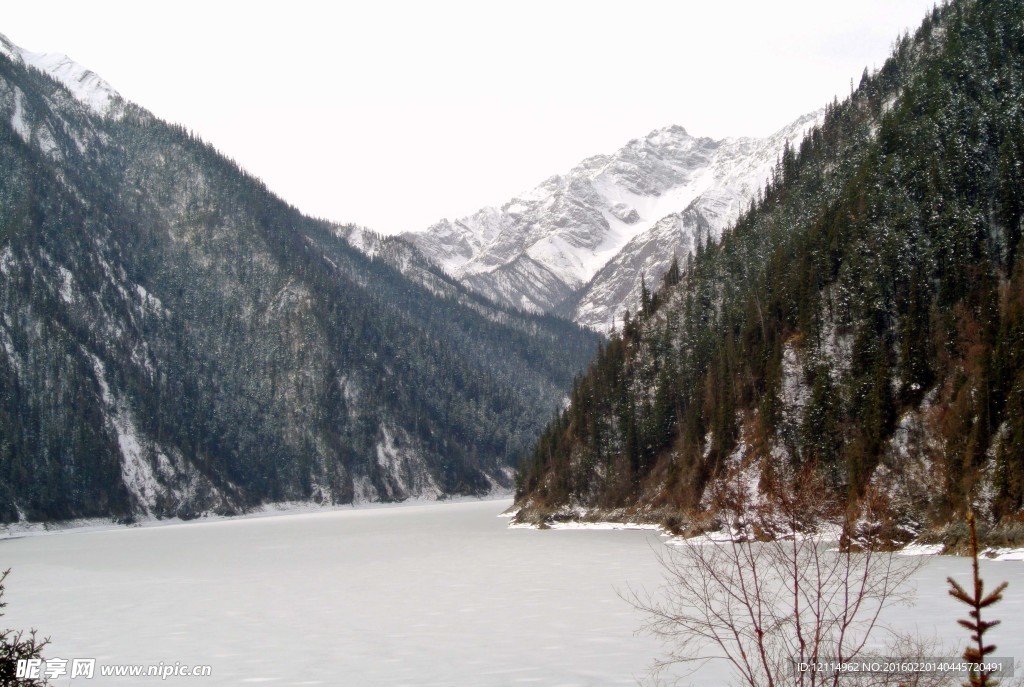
x,y
84,525
911,549
573,525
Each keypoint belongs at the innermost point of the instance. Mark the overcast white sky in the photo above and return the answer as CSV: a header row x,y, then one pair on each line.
x,y
395,114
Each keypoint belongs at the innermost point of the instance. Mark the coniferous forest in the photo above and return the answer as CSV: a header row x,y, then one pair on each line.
x,y
176,340
863,320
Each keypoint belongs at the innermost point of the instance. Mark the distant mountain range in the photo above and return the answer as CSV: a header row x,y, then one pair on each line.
x,y
581,243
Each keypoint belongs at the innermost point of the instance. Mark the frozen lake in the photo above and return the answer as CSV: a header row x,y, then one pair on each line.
x,y
407,595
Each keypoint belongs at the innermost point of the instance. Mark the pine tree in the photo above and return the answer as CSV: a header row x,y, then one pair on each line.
x,y
17,646
645,297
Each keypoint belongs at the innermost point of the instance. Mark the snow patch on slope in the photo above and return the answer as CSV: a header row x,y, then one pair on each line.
x,y
18,122
136,473
399,459
158,483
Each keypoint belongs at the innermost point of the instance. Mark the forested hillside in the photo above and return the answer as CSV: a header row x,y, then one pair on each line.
x,y
176,340
863,320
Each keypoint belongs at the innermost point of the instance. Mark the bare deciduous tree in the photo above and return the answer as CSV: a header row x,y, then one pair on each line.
x,y
773,592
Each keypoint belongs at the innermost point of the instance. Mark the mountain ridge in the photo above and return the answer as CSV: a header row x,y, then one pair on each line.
x,y
88,87
543,249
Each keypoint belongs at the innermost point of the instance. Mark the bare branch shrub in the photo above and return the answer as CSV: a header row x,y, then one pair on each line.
x,y
774,590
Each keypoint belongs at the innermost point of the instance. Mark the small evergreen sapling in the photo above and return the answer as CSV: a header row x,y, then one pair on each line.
x,y
977,600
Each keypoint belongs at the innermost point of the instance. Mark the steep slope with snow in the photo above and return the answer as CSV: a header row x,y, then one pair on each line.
x,y
738,170
87,86
860,329
176,340
542,249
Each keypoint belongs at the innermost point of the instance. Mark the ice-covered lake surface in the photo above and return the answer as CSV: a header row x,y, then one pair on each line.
x,y
408,595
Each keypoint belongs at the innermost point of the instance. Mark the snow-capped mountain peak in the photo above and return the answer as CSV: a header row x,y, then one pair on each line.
x,y
543,249
85,85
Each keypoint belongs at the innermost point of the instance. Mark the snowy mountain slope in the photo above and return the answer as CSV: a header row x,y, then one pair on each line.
x,y
176,340
407,259
601,304
87,86
563,231
540,250
738,171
